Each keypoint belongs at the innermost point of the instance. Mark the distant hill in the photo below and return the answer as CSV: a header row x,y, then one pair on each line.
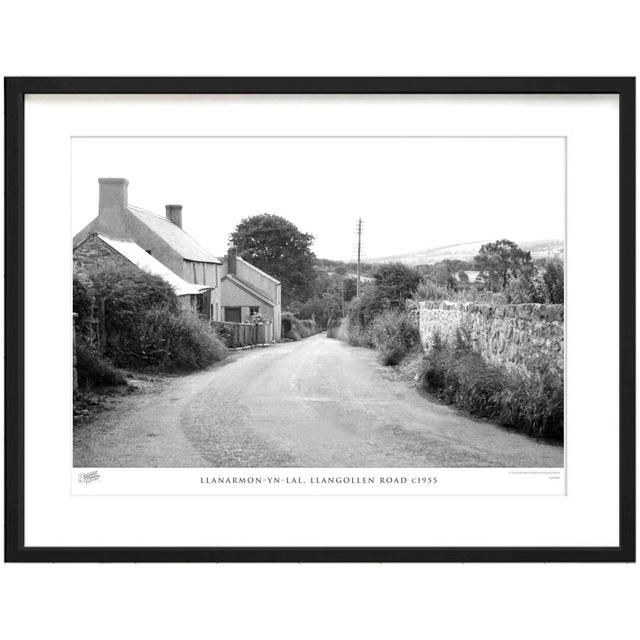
x,y
468,250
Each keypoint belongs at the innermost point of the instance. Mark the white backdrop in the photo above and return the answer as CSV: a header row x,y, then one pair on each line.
x,y
586,516
363,38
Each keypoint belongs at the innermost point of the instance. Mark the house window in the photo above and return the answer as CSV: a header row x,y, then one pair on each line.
x,y
253,310
232,314
195,276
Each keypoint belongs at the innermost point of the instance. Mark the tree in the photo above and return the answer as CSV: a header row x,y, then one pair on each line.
x,y
279,248
528,287
443,273
393,284
501,261
350,289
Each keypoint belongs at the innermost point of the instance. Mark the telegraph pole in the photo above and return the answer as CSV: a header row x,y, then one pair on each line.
x,y
359,251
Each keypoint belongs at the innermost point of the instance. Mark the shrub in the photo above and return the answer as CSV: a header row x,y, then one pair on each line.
x,y
525,289
94,370
257,318
429,290
532,400
168,340
83,303
128,292
295,329
393,334
553,278
353,328
333,328
146,328
394,283
322,307
224,333
353,332
535,399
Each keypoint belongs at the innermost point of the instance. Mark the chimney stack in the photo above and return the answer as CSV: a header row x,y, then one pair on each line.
x,y
232,255
174,214
114,196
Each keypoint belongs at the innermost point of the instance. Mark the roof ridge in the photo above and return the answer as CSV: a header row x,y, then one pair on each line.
x,y
151,213
174,228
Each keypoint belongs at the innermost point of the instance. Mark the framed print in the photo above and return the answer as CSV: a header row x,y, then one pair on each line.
x,y
320,319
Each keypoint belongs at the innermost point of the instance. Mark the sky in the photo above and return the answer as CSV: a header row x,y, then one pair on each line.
x,y
411,193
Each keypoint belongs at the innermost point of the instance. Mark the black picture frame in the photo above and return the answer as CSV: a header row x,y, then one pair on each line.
x,y
15,91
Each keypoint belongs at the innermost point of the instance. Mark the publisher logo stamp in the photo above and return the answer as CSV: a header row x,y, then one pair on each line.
x,y
87,478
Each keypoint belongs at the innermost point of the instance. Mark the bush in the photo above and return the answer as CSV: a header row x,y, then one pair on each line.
x,y
83,303
532,401
295,329
553,278
167,340
321,308
224,333
128,292
146,328
536,400
352,331
393,334
333,328
429,290
95,371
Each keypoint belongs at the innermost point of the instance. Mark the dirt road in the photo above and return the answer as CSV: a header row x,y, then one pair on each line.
x,y
313,403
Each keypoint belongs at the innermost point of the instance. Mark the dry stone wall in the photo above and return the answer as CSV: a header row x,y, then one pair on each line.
x,y
513,335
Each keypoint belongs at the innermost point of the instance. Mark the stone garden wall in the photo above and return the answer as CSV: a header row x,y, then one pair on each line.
x,y
511,335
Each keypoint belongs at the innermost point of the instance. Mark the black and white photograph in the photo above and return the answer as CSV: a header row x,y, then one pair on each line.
x,y
318,302
384,325
320,320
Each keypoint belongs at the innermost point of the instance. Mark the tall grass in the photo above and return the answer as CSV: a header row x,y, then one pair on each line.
x,y
393,334
531,401
94,370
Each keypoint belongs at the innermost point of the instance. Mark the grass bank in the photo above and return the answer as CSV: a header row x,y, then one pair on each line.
x,y
530,400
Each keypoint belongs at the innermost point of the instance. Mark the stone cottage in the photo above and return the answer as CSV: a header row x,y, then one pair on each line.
x,y
228,290
247,290
128,231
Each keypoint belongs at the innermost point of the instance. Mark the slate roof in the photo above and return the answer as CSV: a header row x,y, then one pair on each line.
x,y
174,236
145,261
